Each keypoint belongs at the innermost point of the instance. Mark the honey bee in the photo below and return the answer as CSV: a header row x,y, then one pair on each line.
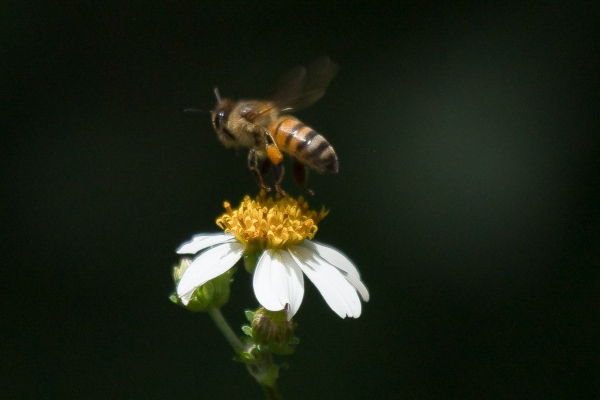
x,y
264,127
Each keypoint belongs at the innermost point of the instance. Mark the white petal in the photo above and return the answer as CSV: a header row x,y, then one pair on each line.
x,y
358,285
208,265
278,281
340,261
339,294
332,256
200,242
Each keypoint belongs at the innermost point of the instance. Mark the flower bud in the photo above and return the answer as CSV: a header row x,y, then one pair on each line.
x,y
214,293
272,329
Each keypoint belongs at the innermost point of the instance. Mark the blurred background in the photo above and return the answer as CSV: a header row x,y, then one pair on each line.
x,y
467,195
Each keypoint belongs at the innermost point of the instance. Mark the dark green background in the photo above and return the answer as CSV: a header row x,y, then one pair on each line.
x,y
467,195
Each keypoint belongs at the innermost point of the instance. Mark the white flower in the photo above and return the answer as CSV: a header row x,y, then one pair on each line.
x,y
278,279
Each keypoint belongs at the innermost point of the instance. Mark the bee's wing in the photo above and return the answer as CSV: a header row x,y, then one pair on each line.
x,y
300,87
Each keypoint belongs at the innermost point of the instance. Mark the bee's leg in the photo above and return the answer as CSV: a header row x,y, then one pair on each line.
x,y
300,172
275,159
279,171
258,173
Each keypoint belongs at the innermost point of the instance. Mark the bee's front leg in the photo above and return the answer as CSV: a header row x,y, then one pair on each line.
x,y
256,171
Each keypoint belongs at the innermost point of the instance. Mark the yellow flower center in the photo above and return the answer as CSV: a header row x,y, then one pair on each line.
x,y
267,222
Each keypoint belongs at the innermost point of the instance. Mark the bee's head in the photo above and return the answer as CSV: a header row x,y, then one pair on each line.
x,y
220,118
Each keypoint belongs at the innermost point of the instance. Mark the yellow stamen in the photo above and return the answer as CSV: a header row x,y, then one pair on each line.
x,y
267,222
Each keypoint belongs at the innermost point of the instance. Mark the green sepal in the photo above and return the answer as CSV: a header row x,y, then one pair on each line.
x,y
250,261
247,329
244,357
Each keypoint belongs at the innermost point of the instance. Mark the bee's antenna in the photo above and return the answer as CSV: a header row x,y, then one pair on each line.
x,y
218,95
200,110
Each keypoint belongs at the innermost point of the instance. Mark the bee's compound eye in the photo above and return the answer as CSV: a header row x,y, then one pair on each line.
x,y
219,119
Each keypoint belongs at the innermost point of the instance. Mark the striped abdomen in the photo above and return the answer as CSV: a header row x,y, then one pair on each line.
x,y
304,144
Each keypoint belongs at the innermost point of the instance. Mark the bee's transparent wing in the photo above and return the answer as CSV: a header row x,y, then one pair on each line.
x,y
300,87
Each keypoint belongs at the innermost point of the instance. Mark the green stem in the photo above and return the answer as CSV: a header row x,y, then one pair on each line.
x,y
225,329
259,370
271,392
